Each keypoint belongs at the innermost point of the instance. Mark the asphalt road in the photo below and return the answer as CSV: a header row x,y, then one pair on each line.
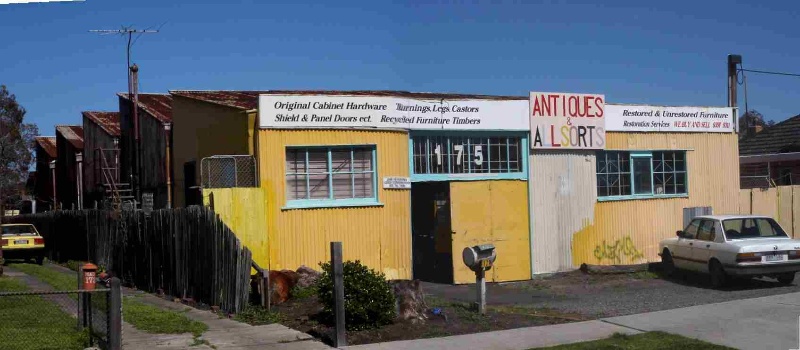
x,y
596,296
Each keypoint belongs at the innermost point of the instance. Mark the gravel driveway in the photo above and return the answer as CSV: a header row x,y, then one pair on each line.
x,y
613,295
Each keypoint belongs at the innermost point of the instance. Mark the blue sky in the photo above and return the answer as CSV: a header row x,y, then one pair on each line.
x,y
668,53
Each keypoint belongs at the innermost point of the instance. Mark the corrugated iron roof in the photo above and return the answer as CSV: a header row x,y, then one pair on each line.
x,y
248,100
72,133
157,105
48,144
108,121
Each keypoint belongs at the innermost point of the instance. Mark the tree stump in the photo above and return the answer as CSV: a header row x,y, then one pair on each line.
x,y
409,300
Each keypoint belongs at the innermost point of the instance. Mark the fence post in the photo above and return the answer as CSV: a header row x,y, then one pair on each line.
x,y
265,293
340,338
114,316
81,315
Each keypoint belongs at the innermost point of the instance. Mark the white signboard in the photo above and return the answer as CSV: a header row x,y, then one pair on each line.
x,y
396,183
567,121
641,118
327,111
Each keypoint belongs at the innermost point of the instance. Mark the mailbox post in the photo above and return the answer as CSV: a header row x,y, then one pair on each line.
x,y
480,259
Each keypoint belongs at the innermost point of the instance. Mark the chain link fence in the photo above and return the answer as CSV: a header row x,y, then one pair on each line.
x,y
226,171
755,181
34,320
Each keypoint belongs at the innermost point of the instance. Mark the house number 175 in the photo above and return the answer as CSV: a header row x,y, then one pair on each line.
x,y
477,153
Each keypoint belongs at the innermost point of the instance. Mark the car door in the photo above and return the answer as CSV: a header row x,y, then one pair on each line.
x,y
682,254
704,246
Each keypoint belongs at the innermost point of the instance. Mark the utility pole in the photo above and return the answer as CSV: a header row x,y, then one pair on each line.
x,y
133,96
733,62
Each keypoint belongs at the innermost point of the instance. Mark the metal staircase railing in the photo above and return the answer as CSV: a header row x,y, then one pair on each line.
x,y
114,190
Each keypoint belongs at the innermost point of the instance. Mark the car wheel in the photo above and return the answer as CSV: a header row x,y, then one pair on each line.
x,y
718,276
786,278
667,264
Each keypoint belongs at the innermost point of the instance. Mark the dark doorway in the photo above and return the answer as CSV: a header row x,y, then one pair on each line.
x,y
191,191
431,232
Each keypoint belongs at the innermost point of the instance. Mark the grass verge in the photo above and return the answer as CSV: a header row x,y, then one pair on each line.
x,y
151,319
57,280
644,341
28,322
143,317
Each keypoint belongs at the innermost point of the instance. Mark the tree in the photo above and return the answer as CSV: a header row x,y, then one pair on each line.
x,y
16,149
751,120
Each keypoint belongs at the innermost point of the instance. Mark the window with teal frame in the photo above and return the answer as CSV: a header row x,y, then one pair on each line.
x,y
641,174
330,176
445,156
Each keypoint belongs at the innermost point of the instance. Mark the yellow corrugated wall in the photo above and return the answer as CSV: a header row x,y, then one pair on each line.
x,y
378,236
242,209
491,212
626,232
777,202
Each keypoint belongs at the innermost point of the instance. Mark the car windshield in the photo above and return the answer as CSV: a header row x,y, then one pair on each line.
x,y
752,228
19,230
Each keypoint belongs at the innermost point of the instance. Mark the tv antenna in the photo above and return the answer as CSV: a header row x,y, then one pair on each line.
x,y
129,31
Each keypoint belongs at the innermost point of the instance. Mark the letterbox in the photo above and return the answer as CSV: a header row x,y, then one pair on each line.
x,y
479,257
89,276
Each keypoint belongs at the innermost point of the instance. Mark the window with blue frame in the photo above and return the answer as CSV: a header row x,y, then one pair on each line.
x,y
334,175
641,174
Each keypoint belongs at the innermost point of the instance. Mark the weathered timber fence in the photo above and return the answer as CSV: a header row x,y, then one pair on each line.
x,y
185,252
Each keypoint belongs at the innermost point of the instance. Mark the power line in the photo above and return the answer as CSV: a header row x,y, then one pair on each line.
x,y
769,72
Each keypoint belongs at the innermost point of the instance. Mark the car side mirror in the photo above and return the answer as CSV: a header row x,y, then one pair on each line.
x,y
679,233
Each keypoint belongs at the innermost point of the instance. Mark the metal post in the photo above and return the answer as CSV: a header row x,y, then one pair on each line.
x,y
80,297
340,338
53,176
480,286
134,97
168,163
115,315
265,295
79,176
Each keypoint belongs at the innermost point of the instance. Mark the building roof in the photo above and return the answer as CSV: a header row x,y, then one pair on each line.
x,y
72,133
783,137
248,100
108,121
48,144
157,105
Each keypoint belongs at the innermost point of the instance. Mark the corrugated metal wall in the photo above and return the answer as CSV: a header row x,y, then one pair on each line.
x,y
628,232
378,236
242,209
562,194
491,212
567,233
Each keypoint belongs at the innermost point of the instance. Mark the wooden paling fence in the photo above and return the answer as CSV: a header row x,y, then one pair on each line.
x,y
185,252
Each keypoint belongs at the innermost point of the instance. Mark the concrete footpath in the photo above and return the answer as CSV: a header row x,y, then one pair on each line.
x,y
760,323
520,338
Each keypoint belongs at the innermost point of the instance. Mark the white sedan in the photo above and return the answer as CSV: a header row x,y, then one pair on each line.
x,y
733,245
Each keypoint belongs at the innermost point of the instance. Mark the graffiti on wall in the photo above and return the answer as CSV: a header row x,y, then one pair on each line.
x,y
617,250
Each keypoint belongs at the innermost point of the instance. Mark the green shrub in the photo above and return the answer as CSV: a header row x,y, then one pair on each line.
x,y
257,315
368,299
